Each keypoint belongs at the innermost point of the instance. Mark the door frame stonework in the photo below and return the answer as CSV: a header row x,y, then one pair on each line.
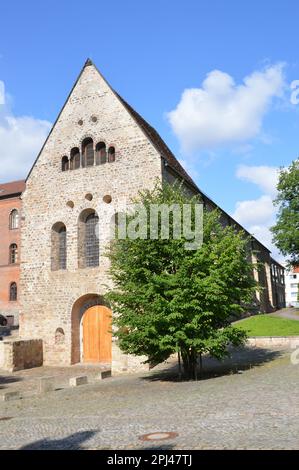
x,y
80,306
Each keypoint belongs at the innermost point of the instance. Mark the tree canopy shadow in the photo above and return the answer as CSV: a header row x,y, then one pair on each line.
x,y
240,359
72,442
8,379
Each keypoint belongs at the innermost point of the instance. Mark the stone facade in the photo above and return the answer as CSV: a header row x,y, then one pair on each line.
x,y
58,299
55,300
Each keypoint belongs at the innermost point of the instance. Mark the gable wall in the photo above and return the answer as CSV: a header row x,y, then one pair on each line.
x,y
48,297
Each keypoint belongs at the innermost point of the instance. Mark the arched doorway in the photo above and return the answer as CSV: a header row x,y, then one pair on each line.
x,y
100,332
96,334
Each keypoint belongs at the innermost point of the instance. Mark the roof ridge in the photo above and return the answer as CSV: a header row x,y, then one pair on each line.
x,y
157,141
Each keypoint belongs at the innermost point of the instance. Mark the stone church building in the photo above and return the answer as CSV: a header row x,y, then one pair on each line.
x,y
100,151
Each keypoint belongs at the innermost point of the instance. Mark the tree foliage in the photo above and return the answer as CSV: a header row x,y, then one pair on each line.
x,y
286,230
169,299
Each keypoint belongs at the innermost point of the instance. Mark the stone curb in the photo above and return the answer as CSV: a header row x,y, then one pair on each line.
x,y
281,342
47,384
9,396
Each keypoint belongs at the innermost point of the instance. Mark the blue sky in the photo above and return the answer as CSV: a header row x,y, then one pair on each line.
x,y
232,134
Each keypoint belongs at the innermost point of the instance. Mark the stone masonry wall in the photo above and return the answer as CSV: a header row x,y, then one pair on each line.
x,y
18,355
48,296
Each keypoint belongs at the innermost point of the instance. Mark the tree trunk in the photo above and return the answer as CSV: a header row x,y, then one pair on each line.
x,y
189,358
180,365
200,365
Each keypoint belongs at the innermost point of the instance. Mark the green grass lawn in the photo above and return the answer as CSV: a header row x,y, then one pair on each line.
x,y
268,325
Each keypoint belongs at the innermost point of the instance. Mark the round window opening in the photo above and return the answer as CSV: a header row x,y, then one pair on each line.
x,y
107,199
80,122
70,204
89,197
94,119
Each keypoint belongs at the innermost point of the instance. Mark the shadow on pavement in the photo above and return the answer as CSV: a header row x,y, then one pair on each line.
x,y
156,447
72,442
240,360
8,379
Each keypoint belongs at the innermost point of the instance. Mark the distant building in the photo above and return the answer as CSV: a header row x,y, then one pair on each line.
x,y
10,206
292,287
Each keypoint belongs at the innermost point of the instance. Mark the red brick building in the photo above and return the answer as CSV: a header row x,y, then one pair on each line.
x,y
10,210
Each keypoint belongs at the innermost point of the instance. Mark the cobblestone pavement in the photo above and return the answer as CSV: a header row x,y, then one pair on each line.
x,y
27,381
250,401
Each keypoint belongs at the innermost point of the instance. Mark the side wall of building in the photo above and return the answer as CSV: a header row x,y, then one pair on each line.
x,y
271,295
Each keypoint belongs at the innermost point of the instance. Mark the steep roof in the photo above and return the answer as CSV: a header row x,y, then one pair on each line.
x,y
157,141
15,188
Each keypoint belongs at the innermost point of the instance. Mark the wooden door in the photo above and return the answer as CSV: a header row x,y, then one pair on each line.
x,y
97,337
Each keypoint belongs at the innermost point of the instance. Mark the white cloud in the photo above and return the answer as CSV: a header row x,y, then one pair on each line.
x,y
255,211
258,215
21,138
222,112
2,93
265,177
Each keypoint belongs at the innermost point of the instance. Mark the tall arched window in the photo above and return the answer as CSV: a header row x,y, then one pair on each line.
x,y
13,292
58,247
88,239
118,226
64,163
75,158
13,253
87,152
14,219
111,154
101,153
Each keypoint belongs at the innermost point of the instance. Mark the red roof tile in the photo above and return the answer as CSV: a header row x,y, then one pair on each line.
x,y
11,189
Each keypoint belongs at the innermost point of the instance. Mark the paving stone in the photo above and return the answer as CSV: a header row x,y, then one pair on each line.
x,y
105,374
8,396
46,384
76,381
257,409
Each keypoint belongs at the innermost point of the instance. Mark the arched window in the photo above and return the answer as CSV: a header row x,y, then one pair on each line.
x,y
87,152
13,292
111,154
59,336
13,253
75,158
118,226
88,239
14,219
58,247
64,163
101,153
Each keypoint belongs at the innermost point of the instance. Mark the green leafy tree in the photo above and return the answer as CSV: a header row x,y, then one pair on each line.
x,y
169,299
286,230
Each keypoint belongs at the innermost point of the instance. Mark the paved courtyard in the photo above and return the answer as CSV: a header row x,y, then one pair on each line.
x,y
249,402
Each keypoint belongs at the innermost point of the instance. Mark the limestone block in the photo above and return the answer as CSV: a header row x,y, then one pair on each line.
x,y
76,381
46,384
9,396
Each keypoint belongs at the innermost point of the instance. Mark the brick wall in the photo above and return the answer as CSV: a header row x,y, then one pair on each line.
x,y
8,273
